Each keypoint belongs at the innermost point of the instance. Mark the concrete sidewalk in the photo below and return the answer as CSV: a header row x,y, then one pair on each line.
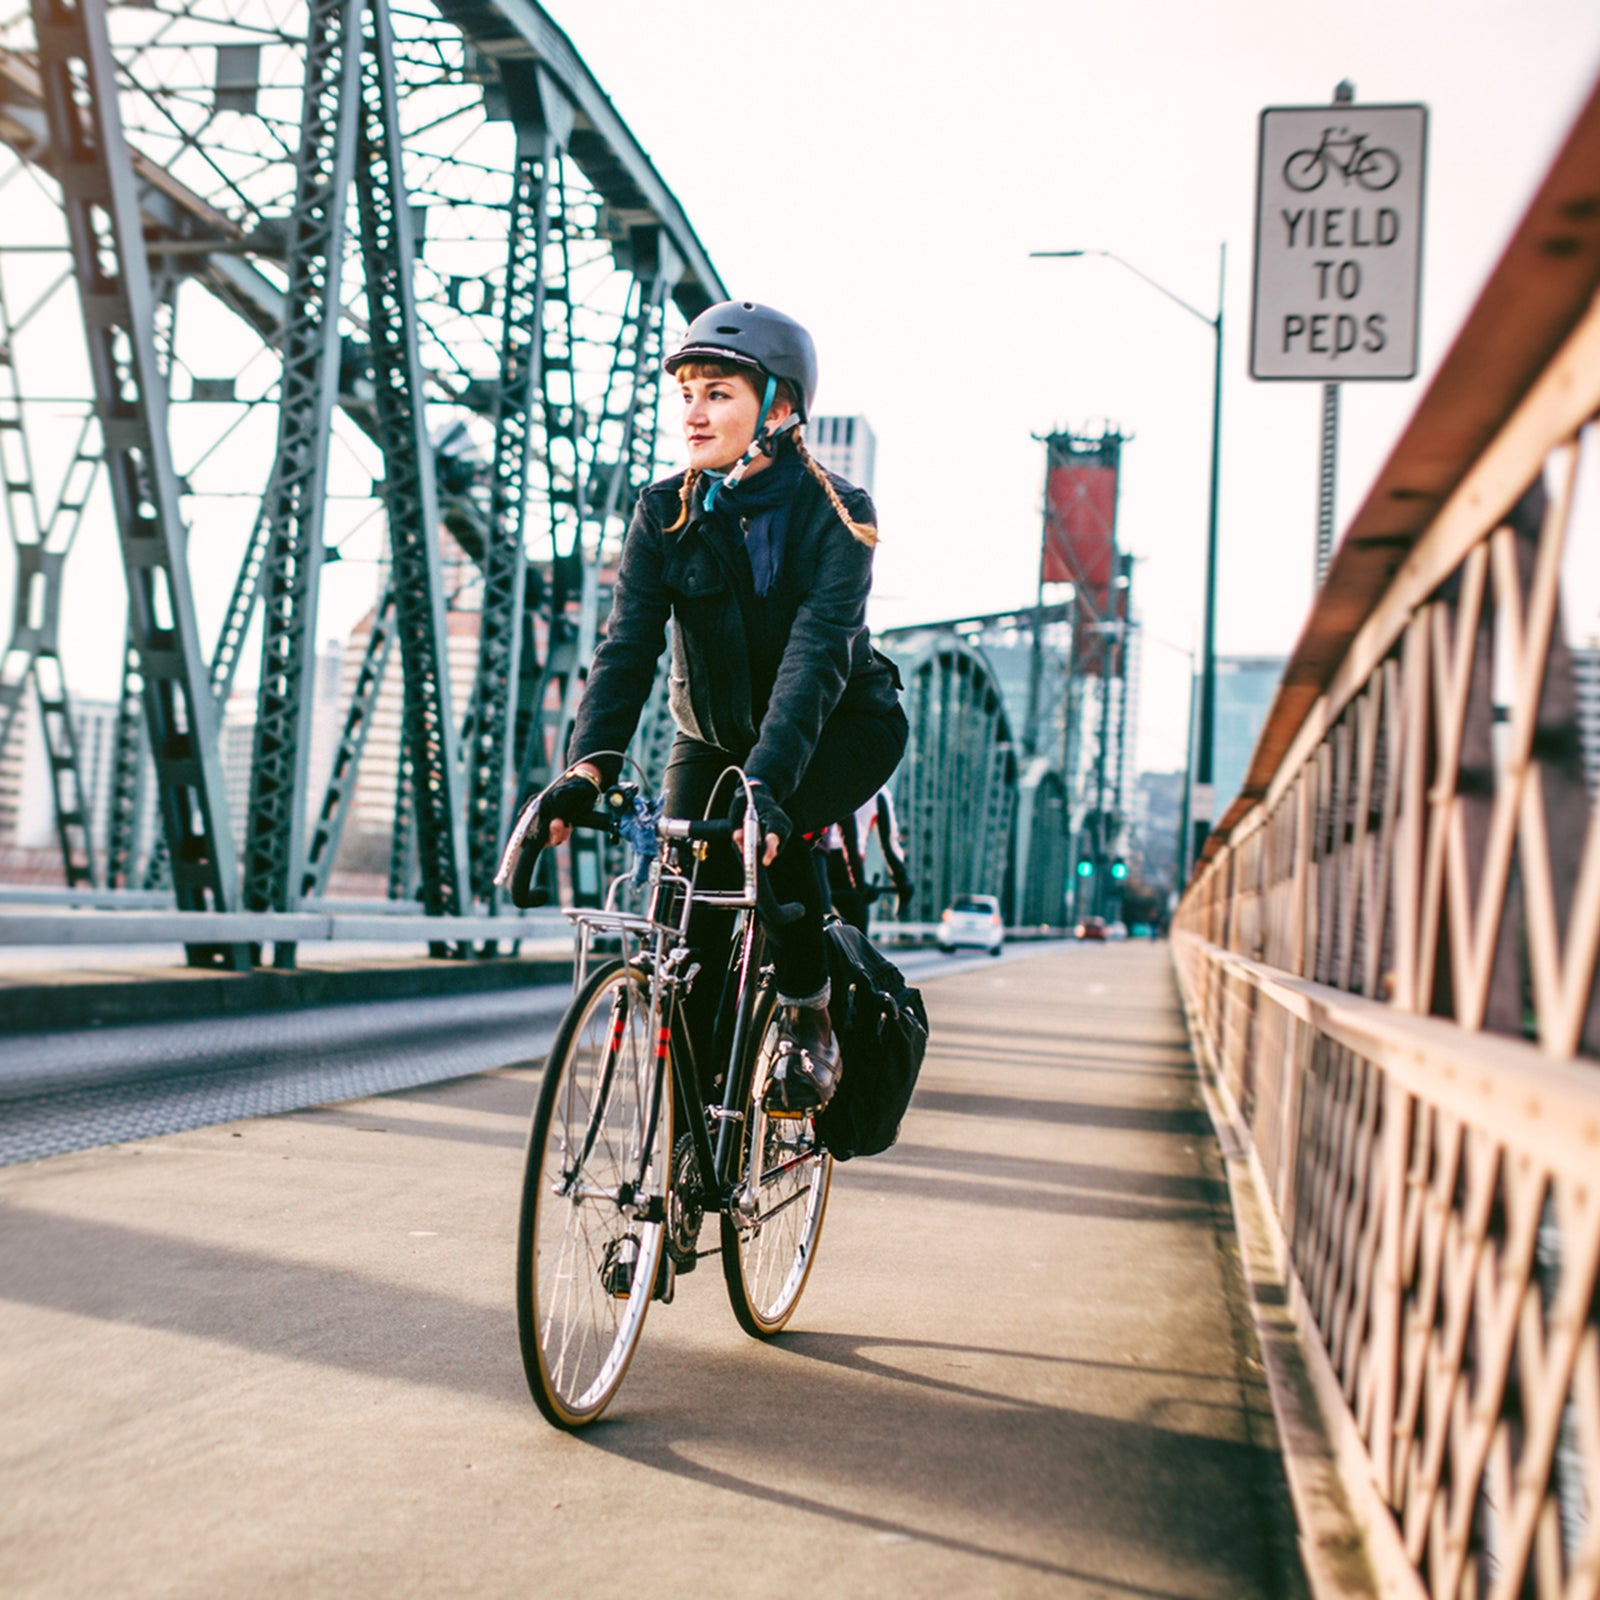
x,y
279,1357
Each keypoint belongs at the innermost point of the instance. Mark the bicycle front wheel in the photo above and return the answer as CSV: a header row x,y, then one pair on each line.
x,y
593,1199
770,1230
1377,169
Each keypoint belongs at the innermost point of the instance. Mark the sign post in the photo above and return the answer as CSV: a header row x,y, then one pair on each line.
x,y
1338,272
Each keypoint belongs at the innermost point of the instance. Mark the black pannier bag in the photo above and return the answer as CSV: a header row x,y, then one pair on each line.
x,y
882,1026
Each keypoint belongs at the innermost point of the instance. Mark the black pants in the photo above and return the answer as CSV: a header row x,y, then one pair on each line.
x,y
855,756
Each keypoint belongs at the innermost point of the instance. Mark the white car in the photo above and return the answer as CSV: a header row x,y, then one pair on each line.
x,y
972,922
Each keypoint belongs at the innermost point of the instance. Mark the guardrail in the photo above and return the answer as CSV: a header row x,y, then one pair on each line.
x,y
71,927
1389,951
59,922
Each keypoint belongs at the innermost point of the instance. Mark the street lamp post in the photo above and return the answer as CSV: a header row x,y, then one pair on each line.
x,y
1203,799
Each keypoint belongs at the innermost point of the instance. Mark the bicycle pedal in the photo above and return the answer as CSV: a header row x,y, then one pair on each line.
x,y
618,1265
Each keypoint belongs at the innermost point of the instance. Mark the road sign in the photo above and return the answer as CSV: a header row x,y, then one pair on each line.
x,y
1338,242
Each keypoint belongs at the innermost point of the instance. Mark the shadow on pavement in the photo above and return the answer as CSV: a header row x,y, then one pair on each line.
x,y
1183,1120
1053,1481
1062,1202
1039,1169
373,1121
288,1309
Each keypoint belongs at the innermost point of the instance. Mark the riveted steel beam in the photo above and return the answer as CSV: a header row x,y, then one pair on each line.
x,y
91,159
275,828
409,492
492,723
127,776
630,398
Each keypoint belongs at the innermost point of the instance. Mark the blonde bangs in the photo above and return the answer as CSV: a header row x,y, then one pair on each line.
x,y
718,369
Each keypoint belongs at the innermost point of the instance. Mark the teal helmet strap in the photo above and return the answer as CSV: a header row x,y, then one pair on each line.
x,y
767,398
732,476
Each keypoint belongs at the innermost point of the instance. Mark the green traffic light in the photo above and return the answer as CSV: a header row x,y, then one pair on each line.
x,y
1086,869
1119,869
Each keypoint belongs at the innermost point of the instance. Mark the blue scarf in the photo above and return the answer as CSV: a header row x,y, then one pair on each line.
x,y
761,502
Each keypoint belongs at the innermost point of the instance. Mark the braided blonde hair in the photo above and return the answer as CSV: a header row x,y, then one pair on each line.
x,y
864,531
685,494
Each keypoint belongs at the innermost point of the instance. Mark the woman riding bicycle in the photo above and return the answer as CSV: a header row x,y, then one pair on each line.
x,y
760,562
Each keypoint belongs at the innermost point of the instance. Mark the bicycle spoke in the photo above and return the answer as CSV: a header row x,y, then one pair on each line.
x,y
586,1260
767,1256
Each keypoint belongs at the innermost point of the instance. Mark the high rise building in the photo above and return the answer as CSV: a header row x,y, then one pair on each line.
x,y
845,445
1246,686
1155,807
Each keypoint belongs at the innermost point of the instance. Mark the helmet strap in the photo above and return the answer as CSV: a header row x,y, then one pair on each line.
x,y
758,446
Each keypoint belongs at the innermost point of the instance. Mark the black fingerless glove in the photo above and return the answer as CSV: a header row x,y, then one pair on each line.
x,y
566,800
769,814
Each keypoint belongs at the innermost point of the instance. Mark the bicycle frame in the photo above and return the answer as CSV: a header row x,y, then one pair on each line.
x,y
661,950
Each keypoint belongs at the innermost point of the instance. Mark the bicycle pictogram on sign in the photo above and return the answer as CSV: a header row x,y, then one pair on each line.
x,y
1374,167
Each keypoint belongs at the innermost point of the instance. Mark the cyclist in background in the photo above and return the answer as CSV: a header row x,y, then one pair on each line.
x,y
843,860
759,562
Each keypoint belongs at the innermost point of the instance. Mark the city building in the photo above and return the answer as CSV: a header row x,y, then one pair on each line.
x,y
1586,678
12,759
94,724
1246,686
845,445
1155,813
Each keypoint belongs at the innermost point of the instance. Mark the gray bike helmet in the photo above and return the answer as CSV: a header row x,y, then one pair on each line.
x,y
753,336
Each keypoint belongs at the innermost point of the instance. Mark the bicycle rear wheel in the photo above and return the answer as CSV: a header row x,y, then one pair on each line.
x,y
769,1243
593,1199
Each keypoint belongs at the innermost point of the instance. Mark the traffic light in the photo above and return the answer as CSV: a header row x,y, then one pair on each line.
x,y
1119,869
1086,868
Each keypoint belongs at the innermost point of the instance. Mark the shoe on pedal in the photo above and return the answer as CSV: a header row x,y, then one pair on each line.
x,y
806,1071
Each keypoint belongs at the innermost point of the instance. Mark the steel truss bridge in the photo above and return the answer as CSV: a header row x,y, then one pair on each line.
x,y
283,281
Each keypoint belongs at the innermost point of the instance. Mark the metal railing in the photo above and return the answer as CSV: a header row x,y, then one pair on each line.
x,y
1389,950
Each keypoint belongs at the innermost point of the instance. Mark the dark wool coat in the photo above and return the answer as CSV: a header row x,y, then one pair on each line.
x,y
757,676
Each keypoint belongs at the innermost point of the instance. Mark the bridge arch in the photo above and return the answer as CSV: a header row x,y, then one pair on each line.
x,y
956,790
1042,848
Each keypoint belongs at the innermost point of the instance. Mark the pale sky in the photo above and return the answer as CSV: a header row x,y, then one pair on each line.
x,y
882,172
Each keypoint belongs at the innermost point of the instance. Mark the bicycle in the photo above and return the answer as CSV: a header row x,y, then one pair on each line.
x,y
1375,169
612,1205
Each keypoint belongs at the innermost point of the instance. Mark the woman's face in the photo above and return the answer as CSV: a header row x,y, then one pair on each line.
x,y
719,420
